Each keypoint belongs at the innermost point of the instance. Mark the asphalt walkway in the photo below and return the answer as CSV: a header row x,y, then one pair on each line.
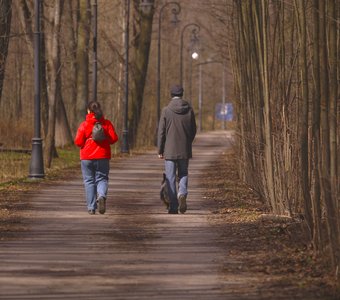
x,y
135,251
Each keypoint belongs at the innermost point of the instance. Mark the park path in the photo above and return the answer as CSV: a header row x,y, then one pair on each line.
x,y
135,251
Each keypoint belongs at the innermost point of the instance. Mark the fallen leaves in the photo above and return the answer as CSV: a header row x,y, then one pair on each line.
x,y
276,249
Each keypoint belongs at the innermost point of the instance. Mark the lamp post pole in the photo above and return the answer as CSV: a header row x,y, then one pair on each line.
x,y
94,79
223,93
200,99
195,30
175,11
125,140
37,163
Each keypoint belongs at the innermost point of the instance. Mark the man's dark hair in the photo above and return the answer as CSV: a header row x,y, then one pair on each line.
x,y
177,90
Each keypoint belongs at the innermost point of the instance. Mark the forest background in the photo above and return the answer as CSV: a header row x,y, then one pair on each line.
x,y
276,61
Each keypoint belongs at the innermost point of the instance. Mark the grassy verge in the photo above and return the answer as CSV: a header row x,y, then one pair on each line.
x,y
14,185
15,166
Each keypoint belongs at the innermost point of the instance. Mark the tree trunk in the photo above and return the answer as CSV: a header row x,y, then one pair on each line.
x,y
261,16
300,8
333,94
325,162
63,134
82,62
73,47
5,27
55,69
141,49
316,201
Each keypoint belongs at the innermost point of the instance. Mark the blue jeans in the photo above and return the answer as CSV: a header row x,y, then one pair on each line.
x,y
172,167
96,178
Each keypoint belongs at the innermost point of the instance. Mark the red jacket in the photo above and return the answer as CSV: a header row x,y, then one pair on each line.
x,y
89,149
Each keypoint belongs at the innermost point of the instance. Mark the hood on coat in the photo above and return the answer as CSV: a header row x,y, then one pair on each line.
x,y
179,106
91,119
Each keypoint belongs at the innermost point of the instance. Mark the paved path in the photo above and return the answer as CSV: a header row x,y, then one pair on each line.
x,y
135,251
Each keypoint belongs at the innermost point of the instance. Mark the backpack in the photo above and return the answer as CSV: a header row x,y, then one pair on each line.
x,y
98,133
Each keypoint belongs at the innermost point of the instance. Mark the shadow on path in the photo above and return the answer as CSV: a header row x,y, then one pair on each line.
x,y
135,251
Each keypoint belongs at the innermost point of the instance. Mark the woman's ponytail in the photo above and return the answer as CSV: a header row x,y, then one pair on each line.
x,y
95,108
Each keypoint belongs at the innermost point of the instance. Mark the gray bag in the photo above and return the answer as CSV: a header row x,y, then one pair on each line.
x,y
98,133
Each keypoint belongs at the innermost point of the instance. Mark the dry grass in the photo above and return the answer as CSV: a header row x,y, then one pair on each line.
x,y
15,166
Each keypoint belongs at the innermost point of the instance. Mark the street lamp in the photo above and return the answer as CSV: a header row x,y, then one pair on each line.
x,y
94,79
200,93
194,40
125,138
175,11
37,163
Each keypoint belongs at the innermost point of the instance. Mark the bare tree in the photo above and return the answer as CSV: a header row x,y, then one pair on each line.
x,y
5,26
82,60
141,48
54,66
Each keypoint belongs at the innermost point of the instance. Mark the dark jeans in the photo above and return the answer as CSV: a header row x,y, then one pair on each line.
x,y
172,167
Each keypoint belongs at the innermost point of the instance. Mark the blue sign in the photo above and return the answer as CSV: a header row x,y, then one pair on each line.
x,y
224,112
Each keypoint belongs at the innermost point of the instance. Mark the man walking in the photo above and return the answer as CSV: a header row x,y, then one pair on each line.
x,y
176,133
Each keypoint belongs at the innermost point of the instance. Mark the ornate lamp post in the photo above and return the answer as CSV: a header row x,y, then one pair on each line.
x,y
37,163
194,55
175,11
94,79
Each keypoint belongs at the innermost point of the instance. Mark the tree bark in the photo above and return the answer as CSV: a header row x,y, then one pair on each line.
x,y
82,62
141,49
325,162
316,201
304,110
5,27
54,79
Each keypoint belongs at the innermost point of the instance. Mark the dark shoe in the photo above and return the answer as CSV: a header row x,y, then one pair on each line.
x,y
182,203
91,211
101,204
173,212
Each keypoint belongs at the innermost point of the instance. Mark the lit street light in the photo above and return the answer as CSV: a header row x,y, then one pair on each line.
x,y
37,163
194,40
194,55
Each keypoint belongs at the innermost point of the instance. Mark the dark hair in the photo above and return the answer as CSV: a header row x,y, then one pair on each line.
x,y
95,108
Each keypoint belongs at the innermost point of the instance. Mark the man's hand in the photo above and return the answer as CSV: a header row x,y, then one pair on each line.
x,y
160,156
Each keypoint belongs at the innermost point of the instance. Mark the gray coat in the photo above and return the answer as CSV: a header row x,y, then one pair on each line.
x,y
176,130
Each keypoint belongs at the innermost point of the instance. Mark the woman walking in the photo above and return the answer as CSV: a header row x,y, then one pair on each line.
x,y
95,155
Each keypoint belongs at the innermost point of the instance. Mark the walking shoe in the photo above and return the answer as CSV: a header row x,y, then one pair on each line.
x,y
173,212
101,204
182,203
91,211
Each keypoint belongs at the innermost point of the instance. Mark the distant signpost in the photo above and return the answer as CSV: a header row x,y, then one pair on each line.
x,y
224,112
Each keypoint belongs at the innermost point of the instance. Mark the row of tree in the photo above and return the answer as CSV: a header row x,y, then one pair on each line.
x,y
286,62
67,44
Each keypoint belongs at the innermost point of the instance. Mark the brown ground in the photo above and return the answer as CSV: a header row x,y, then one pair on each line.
x,y
261,248
264,247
